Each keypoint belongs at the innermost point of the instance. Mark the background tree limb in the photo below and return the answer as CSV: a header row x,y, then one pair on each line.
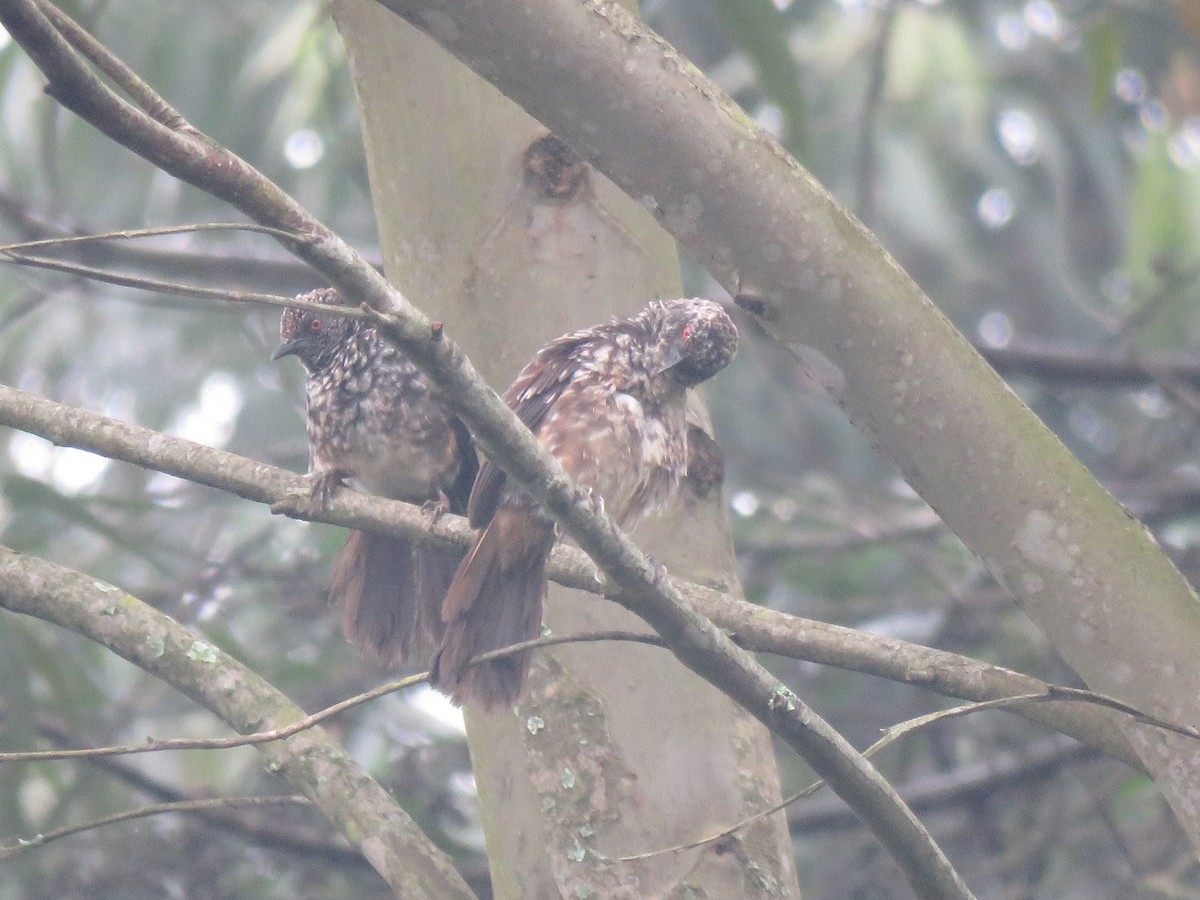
x,y
1089,575
52,40
757,628
312,761
472,220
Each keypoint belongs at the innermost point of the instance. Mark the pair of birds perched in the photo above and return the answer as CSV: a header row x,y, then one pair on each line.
x,y
607,401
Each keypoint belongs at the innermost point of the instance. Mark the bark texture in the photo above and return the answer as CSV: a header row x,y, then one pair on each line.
x,y
614,749
1086,572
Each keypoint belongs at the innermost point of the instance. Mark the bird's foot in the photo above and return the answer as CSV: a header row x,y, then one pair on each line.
x,y
325,485
436,507
660,577
588,499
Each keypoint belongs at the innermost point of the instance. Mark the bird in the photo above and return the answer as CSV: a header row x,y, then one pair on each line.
x,y
609,403
374,422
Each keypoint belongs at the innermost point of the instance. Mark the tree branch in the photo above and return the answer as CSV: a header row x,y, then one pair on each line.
x,y
1036,762
312,761
136,281
16,846
283,837
757,628
152,745
283,274
1098,367
1109,599
51,39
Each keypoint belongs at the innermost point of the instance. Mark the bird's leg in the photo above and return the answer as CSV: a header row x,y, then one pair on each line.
x,y
662,579
436,507
587,498
325,484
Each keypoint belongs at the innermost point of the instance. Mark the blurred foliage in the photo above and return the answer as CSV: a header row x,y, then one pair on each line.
x,y
1034,166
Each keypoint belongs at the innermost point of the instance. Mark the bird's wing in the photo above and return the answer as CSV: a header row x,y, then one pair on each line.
x,y
468,466
531,397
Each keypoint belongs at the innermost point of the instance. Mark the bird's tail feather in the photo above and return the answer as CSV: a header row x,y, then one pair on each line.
x,y
391,593
494,600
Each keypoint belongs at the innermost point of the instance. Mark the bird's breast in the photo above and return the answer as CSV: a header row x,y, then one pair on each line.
x,y
392,439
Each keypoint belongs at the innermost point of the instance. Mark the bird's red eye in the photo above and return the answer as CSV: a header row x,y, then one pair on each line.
x,y
687,332
316,325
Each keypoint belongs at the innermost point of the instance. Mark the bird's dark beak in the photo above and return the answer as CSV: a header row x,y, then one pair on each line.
x,y
672,358
285,348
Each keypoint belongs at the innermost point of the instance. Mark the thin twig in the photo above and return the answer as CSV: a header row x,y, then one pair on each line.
x,y
157,285
693,638
137,233
895,732
1058,692
1032,762
278,272
273,834
162,286
892,734
759,629
152,745
866,182
17,846
312,761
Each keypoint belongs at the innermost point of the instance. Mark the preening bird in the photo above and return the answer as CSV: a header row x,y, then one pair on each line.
x,y
608,402
373,422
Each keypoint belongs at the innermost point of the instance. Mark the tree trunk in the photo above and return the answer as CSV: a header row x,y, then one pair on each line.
x,y
1086,572
615,749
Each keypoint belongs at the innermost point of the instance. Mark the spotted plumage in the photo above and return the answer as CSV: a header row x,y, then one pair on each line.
x,y
373,421
608,402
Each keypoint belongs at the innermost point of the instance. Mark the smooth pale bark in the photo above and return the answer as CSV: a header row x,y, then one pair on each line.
x,y
691,637
1086,572
615,749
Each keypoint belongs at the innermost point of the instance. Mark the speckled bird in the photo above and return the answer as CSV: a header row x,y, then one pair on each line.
x,y
608,402
373,422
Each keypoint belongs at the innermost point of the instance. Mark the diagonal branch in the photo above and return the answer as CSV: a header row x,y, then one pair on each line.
x,y
312,761
1108,598
52,39
756,628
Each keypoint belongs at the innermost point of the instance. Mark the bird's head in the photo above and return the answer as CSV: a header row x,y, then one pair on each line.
x,y
313,336
697,340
